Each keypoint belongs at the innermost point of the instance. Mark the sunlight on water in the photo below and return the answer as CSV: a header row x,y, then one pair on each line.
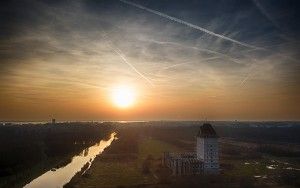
x,y
271,167
61,176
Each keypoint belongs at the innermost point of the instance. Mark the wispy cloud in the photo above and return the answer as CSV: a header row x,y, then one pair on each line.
x,y
190,25
122,56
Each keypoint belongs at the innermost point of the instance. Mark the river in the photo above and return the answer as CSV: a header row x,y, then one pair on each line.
x,y
59,177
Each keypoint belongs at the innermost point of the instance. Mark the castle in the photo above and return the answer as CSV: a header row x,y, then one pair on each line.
x,y
204,160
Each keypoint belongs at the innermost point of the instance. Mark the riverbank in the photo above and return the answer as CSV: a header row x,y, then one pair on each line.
x,y
27,151
59,177
132,160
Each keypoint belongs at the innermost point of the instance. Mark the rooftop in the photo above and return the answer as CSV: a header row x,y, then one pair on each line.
x,y
207,131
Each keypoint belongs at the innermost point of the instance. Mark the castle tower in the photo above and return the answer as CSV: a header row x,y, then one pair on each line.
x,y
207,148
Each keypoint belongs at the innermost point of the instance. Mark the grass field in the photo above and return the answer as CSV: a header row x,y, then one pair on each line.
x,y
154,147
109,171
122,165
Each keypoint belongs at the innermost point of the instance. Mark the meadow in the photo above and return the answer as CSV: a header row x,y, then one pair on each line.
x,y
134,160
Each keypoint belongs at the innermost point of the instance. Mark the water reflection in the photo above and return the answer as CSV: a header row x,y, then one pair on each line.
x,y
59,177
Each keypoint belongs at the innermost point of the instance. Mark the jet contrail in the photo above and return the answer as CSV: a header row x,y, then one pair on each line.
x,y
185,63
271,19
199,49
189,24
120,54
249,74
117,51
245,79
265,13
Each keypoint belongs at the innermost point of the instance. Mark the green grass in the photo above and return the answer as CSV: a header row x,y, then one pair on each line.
x,y
156,148
257,166
112,173
252,169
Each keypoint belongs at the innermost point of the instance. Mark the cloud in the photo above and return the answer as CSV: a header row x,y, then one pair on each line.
x,y
190,25
122,56
57,51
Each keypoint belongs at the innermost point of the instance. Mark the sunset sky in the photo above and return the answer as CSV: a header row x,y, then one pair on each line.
x,y
179,60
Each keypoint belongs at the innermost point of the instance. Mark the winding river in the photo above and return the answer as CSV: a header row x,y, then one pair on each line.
x,y
59,177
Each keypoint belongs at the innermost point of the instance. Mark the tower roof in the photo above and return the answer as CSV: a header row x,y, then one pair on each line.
x,y
207,131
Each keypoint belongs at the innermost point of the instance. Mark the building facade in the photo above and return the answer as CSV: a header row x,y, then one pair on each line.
x,y
207,148
204,160
183,163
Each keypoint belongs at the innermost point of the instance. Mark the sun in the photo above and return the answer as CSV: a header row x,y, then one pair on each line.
x,y
123,96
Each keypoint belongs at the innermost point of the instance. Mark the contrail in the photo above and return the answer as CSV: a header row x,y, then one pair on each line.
x,y
159,73
245,79
265,13
249,74
199,49
119,52
185,63
269,17
189,24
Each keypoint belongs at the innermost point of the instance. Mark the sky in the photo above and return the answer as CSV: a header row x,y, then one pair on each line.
x,y
184,60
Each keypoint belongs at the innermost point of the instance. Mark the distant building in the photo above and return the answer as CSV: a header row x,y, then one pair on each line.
x,y
204,160
53,122
207,148
183,163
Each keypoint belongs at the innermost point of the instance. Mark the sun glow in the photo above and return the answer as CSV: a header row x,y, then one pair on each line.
x,y
123,96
